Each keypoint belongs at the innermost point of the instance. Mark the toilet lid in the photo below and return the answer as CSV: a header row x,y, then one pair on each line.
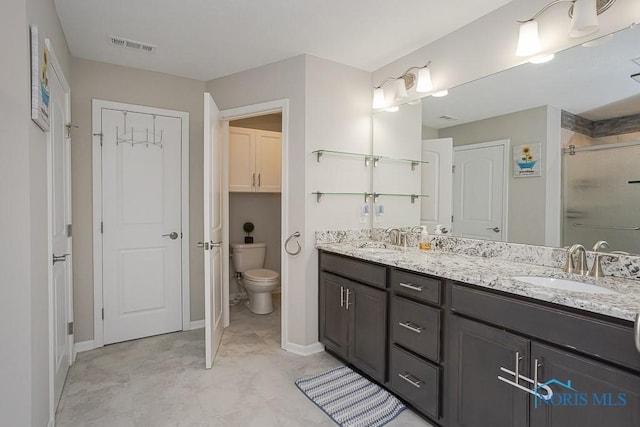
x,y
261,274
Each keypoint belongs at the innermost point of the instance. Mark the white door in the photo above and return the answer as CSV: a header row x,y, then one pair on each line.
x,y
60,218
215,249
141,191
242,159
479,191
436,182
268,161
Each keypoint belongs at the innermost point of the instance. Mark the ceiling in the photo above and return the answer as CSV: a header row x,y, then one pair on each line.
x,y
593,82
206,39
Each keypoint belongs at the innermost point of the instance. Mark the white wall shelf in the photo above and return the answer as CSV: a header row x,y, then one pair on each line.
x,y
368,158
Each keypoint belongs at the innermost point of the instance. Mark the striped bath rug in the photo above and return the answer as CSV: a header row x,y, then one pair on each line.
x,y
349,399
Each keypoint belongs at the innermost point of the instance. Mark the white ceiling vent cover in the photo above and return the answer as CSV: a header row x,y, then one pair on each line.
x,y
132,44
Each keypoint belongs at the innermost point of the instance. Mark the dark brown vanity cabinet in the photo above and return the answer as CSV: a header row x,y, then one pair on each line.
x,y
587,391
353,315
415,350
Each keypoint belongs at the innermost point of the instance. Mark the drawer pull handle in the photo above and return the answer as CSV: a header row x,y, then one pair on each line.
x,y
411,286
637,332
410,326
408,378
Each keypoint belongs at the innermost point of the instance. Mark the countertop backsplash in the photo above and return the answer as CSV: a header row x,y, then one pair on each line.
x,y
624,266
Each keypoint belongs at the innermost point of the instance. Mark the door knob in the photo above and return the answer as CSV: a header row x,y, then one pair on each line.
x,y
495,229
173,235
59,258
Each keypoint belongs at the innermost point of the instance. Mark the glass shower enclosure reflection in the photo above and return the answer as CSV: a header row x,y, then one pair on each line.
x,y
601,196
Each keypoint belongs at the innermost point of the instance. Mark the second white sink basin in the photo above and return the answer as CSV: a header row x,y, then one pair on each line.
x,y
564,284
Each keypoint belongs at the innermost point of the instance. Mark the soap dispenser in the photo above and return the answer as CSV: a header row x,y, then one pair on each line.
x,y
425,243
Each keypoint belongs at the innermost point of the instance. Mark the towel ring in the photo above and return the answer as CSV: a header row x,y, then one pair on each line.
x,y
286,244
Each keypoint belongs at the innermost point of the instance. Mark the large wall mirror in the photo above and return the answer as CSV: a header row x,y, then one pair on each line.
x,y
543,154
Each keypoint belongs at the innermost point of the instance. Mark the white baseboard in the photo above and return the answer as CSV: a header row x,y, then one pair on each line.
x,y
196,324
304,350
79,347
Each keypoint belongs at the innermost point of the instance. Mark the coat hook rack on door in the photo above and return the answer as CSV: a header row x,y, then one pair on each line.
x,y
155,141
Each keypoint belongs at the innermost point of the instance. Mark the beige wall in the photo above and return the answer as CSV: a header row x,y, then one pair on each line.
x,y
527,196
263,210
92,79
272,122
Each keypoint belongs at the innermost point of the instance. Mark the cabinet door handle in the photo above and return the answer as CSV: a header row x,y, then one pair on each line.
x,y
253,180
259,179
411,286
347,304
637,332
341,296
408,378
410,326
518,359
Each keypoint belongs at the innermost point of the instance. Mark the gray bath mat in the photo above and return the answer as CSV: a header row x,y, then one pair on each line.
x,y
350,399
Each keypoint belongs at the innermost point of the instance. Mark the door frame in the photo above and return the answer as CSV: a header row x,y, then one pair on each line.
x,y
57,69
506,144
96,106
261,109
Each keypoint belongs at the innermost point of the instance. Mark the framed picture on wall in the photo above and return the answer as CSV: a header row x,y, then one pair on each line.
x,y
39,80
527,160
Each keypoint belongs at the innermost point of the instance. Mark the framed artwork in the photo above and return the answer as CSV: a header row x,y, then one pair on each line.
x,y
527,160
39,80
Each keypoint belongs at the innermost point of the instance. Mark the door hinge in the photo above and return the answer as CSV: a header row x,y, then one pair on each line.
x,y
103,314
453,168
101,227
68,230
100,135
70,328
68,127
452,219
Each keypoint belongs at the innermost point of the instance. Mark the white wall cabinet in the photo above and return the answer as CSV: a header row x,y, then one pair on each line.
x,y
255,160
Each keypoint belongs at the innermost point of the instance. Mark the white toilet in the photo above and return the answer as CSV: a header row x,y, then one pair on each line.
x,y
248,259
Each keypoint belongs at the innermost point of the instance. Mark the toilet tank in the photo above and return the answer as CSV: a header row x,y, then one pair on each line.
x,y
248,256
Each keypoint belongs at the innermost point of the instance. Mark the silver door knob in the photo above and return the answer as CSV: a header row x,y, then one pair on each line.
x,y
495,229
173,235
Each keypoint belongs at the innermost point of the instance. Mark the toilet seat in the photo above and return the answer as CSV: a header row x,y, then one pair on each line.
x,y
261,275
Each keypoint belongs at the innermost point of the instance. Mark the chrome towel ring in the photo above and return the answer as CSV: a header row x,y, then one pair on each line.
x,y
286,244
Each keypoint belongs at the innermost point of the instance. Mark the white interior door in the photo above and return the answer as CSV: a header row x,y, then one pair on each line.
x,y
60,217
215,249
436,182
141,192
479,191
268,161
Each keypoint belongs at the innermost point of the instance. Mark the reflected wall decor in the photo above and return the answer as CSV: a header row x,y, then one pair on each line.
x,y
527,160
39,80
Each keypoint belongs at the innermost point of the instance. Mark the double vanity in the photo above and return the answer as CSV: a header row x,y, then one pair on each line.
x,y
502,339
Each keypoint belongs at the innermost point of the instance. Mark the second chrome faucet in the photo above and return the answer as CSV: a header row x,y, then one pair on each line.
x,y
581,267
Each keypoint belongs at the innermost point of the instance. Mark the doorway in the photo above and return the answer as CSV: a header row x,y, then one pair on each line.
x,y
141,251
480,186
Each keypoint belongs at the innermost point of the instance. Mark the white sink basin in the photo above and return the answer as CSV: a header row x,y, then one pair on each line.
x,y
564,284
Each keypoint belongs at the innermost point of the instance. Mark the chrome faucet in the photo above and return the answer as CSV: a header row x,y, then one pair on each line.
x,y
596,268
394,235
570,266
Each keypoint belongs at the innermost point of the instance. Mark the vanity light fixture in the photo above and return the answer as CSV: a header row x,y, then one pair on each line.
x,y
421,80
584,21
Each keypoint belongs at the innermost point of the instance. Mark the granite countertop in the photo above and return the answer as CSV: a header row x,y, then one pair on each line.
x,y
496,274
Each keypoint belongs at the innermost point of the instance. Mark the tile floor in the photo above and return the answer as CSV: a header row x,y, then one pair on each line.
x,y
161,381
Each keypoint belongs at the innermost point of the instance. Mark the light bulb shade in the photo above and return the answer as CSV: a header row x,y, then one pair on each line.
x,y
424,81
401,90
585,18
378,97
528,40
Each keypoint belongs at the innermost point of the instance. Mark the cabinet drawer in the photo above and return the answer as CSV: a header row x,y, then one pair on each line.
x,y
416,327
590,335
364,272
415,380
416,286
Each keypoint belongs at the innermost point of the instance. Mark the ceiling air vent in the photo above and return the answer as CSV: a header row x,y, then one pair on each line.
x,y
636,77
445,117
637,61
132,44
